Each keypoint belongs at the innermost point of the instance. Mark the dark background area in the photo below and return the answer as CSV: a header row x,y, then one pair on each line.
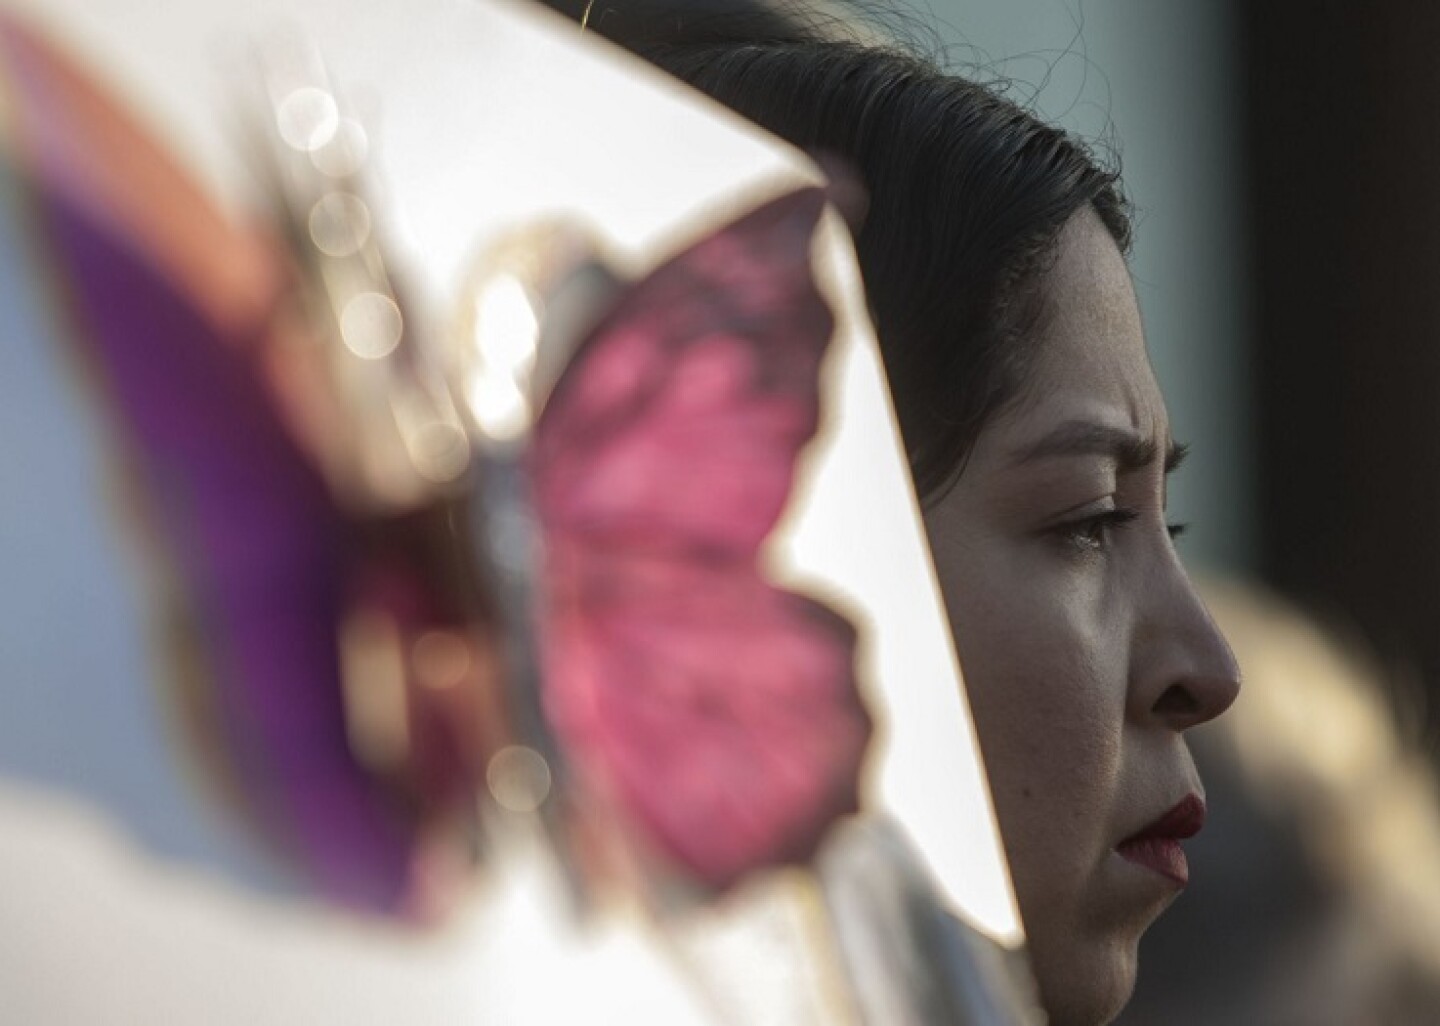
x,y
1342,106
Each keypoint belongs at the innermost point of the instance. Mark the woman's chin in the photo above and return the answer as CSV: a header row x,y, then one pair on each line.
x,y
1084,983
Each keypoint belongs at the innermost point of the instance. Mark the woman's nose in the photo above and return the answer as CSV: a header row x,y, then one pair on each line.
x,y
1186,672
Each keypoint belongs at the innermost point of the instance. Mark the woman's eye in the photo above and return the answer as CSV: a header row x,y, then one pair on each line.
x,y
1096,532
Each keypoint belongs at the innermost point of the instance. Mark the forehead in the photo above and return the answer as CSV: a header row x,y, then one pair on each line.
x,y
1090,360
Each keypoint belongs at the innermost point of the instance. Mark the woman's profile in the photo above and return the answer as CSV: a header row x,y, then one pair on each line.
x,y
993,253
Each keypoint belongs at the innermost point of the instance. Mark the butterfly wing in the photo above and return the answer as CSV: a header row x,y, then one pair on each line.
x,y
720,713
172,312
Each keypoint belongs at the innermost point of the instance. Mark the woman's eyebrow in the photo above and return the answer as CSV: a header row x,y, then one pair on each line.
x,y
1175,455
1130,450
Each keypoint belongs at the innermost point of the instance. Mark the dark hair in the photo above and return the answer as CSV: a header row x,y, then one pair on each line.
x,y
967,194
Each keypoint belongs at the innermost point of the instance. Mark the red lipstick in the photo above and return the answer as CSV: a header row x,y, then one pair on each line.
x,y
1157,847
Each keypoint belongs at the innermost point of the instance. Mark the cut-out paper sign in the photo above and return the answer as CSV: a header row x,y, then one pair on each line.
x,y
479,118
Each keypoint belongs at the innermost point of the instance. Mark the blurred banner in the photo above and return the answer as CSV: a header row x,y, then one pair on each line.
x,y
291,250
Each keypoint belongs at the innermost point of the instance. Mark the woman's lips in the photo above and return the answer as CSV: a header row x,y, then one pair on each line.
x,y
1157,847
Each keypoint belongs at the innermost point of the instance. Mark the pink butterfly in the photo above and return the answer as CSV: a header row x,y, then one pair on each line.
x,y
720,710
704,714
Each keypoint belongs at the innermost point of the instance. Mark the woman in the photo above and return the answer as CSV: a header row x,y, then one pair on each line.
x,y
993,254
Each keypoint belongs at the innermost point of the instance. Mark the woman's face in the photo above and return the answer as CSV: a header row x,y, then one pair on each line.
x,y
1086,651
